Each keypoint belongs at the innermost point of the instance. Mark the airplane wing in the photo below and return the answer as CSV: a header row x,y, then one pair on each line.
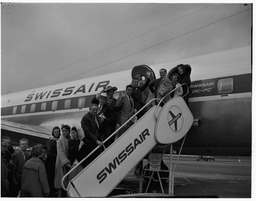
x,y
17,130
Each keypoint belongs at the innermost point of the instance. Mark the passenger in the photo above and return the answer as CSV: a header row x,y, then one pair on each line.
x,y
153,86
5,142
110,95
74,144
62,165
107,119
164,88
34,178
51,159
90,124
146,91
111,101
125,104
137,94
4,176
6,169
18,160
185,78
176,85
43,157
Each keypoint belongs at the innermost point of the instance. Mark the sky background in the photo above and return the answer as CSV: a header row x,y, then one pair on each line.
x,y
49,43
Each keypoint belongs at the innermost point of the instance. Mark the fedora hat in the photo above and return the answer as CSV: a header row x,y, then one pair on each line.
x,y
109,88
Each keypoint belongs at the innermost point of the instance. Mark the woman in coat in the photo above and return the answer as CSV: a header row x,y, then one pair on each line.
x,y
164,88
51,158
74,144
34,182
62,165
184,73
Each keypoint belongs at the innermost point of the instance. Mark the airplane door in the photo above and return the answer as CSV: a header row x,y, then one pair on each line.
x,y
143,70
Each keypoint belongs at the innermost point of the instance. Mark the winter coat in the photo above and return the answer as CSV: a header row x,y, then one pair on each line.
x,y
34,182
164,88
51,161
61,161
4,178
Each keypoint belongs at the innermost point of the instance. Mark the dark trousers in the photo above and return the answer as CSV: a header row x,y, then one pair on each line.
x,y
85,150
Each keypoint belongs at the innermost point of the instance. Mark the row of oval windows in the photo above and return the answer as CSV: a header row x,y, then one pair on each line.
x,y
224,86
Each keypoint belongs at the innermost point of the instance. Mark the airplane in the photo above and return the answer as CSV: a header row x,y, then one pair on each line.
x,y
220,98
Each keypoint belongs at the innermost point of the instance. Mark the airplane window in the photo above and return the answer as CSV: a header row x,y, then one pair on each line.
x,y
33,108
14,110
67,104
54,105
23,108
81,102
43,106
225,85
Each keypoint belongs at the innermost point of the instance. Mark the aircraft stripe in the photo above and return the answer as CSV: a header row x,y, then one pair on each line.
x,y
219,97
221,86
202,90
191,100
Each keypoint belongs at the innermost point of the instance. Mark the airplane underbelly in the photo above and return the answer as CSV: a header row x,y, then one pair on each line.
x,y
220,127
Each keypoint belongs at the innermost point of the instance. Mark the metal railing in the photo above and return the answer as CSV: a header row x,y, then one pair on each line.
x,y
116,132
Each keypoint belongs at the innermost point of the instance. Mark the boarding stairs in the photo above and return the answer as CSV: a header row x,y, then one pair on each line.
x,y
160,125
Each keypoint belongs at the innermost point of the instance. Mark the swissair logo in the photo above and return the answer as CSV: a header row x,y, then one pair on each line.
x,y
175,119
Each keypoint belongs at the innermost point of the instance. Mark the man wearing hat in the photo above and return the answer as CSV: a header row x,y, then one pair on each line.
x,y
110,95
111,101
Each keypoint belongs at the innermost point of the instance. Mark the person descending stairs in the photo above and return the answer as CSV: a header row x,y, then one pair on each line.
x,y
160,125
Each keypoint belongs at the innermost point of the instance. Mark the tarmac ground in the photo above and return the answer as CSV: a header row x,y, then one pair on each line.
x,y
225,177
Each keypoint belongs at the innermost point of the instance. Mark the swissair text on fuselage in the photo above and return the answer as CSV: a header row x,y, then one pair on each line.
x,y
73,90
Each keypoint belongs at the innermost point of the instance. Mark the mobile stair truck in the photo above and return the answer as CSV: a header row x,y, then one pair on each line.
x,y
160,125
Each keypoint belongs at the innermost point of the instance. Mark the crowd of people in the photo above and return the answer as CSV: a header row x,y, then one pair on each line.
x,y
40,172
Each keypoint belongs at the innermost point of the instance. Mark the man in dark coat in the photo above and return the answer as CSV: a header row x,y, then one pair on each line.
x,y
107,119
91,125
111,102
19,158
6,169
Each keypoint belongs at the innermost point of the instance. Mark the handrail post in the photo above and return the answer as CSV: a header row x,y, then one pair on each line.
x,y
170,172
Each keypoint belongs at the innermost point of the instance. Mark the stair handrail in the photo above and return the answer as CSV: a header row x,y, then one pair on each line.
x,y
162,99
95,149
